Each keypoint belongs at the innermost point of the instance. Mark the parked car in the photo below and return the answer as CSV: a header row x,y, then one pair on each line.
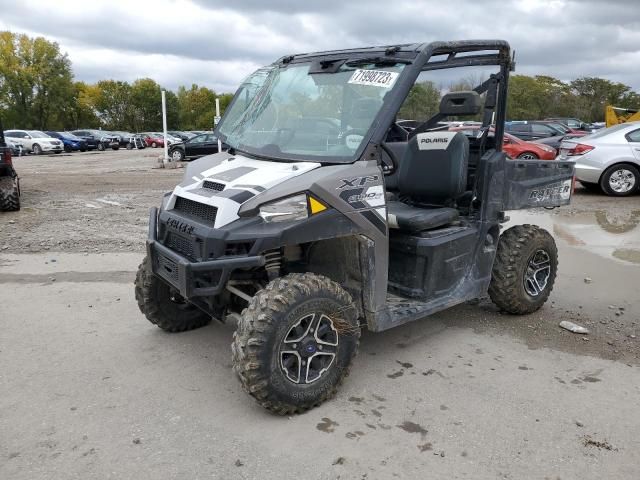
x,y
562,128
9,181
70,142
607,160
536,130
170,138
513,146
34,141
570,122
100,138
184,136
153,140
135,141
556,141
16,148
196,147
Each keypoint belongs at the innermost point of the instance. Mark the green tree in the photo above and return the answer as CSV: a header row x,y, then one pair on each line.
x,y
595,93
196,107
113,104
146,105
80,112
36,81
421,103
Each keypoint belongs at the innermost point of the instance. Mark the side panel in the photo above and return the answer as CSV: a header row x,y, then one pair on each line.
x,y
537,183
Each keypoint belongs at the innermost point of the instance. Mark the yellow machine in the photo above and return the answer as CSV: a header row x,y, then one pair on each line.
x,y
616,115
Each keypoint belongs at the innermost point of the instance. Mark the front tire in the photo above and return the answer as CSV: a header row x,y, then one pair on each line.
x,y
620,180
295,342
177,155
528,156
524,270
153,145
163,306
36,149
101,147
9,194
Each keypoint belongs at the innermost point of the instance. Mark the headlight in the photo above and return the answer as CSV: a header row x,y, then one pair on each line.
x,y
290,208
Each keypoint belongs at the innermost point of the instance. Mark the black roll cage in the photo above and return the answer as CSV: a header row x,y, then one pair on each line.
x,y
420,58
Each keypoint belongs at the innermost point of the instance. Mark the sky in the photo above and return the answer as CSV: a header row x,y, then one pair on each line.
x,y
217,43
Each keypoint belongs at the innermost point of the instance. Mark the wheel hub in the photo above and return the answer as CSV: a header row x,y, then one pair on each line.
x,y
622,181
309,348
536,276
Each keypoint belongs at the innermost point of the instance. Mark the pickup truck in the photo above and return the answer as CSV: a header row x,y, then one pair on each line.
x,y
9,182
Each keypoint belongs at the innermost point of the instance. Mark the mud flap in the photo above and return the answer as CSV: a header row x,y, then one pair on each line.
x,y
537,183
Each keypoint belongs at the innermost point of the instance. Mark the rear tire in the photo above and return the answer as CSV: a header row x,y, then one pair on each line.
x,y
523,250
9,194
153,145
101,147
164,307
620,180
528,156
278,352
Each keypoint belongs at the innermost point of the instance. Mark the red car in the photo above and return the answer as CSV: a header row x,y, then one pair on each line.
x,y
152,140
514,147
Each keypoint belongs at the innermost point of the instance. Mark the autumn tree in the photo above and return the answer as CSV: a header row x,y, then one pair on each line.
x,y
36,82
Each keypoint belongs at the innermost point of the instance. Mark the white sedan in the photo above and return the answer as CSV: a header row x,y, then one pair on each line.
x,y
608,159
34,141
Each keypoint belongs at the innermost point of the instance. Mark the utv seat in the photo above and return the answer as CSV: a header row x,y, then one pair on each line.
x,y
415,219
430,176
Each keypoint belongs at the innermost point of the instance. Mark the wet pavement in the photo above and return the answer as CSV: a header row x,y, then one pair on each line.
x,y
92,390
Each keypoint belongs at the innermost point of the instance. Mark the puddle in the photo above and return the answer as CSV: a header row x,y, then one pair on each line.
x,y
609,235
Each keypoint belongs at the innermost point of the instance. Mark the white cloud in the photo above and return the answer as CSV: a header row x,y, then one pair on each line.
x,y
216,43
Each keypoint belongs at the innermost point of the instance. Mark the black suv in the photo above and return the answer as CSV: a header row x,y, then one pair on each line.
x,y
9,183
101,140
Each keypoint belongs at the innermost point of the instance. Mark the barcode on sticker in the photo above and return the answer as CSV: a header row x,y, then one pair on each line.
x,y
375,78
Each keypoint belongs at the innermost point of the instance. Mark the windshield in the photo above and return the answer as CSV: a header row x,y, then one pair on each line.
x,y
38,134
291,114
68,136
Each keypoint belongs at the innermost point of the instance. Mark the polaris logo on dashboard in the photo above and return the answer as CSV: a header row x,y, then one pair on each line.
x,y
180,226
434,140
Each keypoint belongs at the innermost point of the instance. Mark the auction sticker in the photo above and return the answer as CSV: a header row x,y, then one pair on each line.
x,y
374,78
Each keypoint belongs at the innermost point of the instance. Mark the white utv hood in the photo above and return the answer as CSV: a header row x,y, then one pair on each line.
x,y
234,181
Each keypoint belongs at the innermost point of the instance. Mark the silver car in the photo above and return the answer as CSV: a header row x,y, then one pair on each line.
x,y
608,159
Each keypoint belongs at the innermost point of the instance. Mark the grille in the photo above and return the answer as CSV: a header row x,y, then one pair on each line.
x,y
168,269
196,209
218,187
181,245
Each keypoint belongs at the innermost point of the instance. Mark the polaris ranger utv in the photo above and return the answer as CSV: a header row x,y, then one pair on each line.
x,y
325,217
9,183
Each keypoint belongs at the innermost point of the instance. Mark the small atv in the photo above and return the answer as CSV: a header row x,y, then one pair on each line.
x,y
9,182
325,216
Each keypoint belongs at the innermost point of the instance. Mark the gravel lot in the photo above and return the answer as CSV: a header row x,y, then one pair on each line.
x,y
92,390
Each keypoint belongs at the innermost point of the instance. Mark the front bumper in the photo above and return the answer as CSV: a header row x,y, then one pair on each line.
x,y
51,148
192,279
